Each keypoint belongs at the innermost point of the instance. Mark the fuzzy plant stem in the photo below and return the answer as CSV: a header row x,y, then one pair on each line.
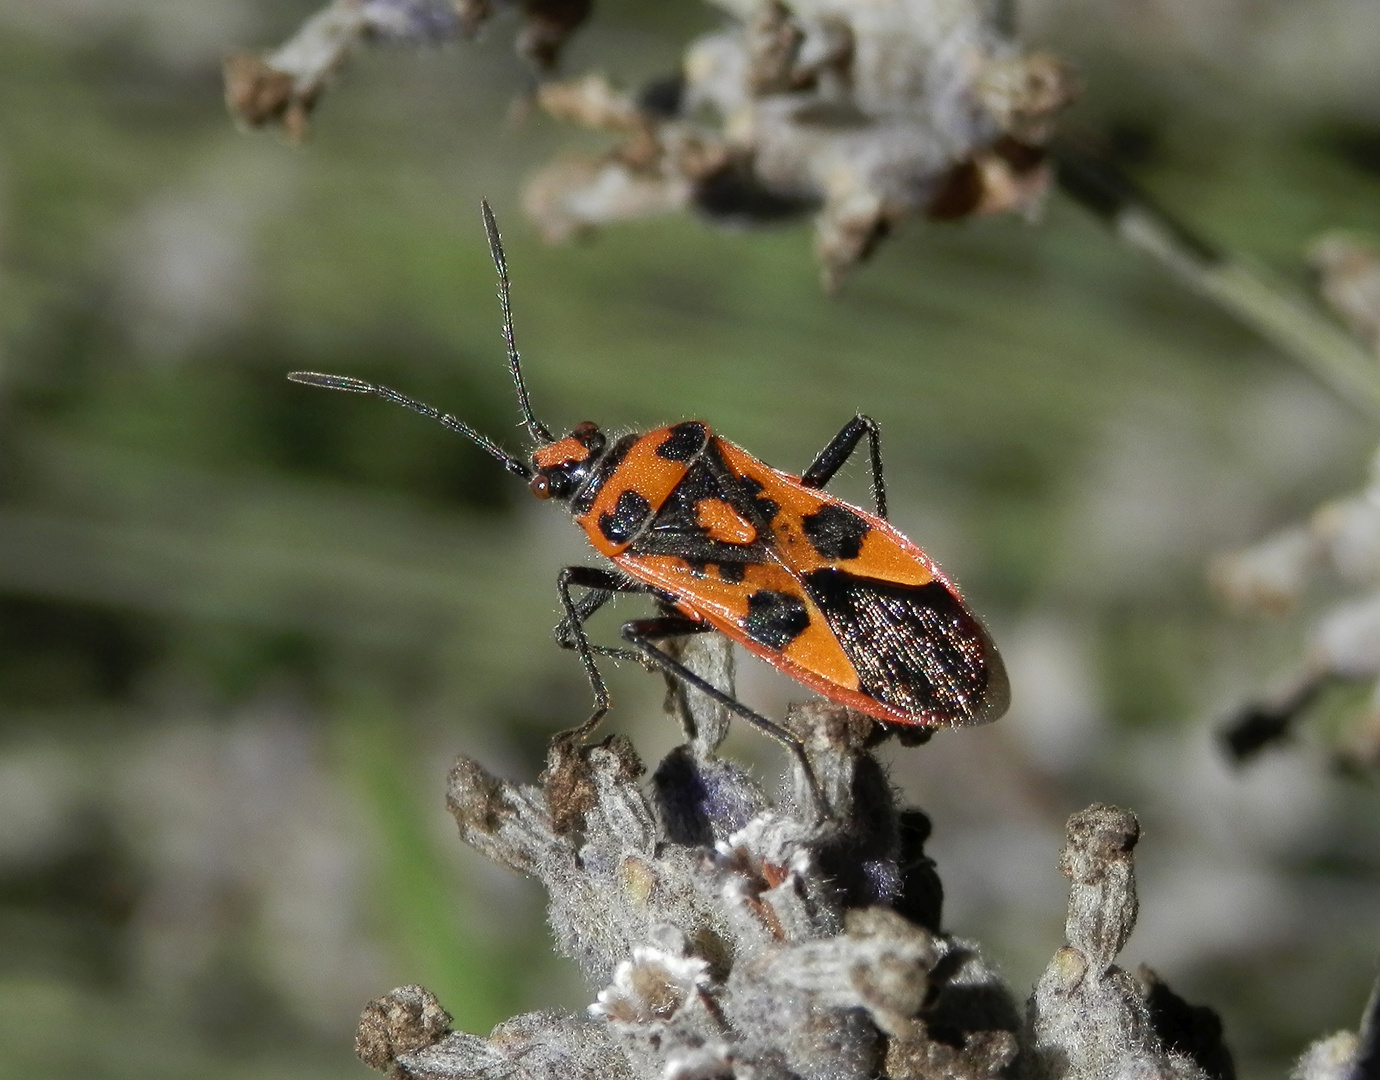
x,y
1250,294
728,935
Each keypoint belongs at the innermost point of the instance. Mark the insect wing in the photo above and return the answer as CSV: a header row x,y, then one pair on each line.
x,y
917,650
831,594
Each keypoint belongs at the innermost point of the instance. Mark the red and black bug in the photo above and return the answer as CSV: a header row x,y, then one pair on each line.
x,y
831,594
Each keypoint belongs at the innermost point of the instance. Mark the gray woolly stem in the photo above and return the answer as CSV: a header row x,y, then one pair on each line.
x,y
727,937
1249,294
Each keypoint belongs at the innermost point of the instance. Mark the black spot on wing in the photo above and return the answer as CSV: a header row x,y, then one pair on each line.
x,y
775,619
627,517
915,648
679,514
684,442
731,572
766,508
835,531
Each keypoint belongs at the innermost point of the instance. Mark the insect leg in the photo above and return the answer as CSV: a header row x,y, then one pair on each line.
x,y
602,586
840,449
570,631
642,632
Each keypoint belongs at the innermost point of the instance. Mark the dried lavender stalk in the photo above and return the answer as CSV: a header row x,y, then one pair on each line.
x,y
282,86
1341,536
726,934
864,113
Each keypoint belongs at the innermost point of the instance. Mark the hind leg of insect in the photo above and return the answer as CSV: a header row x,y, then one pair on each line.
x,y
643,632
570,632
840,449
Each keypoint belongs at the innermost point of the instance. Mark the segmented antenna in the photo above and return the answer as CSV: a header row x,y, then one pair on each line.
x,y
535,427
359,386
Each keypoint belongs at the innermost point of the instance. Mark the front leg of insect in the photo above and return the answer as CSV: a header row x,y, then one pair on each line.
x,y
570,632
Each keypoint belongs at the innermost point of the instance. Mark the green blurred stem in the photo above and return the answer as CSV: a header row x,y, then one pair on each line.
x,y
417,892
1254,296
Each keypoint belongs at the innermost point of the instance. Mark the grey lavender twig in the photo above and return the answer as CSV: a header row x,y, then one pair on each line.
x,y
724,934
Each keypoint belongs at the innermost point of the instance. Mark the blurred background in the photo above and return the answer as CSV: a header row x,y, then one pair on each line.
x,y
245,626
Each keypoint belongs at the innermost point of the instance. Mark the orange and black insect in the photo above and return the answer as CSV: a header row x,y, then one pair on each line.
x,y
831,594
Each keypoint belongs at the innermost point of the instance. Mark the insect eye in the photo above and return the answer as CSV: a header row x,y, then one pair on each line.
x,y
551,483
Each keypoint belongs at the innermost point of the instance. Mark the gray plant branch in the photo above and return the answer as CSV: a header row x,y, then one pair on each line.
x,y
1280,314
725,934
863,115
282,86
1340,540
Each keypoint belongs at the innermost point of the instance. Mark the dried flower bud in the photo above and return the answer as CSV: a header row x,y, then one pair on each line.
x,y
1344,644
1088,1019
283,85
866,113
406,1020
1349,280
1102,902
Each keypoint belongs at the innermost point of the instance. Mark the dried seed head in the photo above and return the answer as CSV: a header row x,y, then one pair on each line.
x,y
405,1020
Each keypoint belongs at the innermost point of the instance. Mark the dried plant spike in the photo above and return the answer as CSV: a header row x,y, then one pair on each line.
x,y
734,936
281,86
863,114
404,1020
1097,859
1339,540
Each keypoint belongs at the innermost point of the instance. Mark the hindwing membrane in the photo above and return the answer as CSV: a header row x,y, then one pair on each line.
x,y
916,648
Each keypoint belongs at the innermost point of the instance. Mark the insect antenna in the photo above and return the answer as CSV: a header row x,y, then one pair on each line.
x,y
535,427
359,386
